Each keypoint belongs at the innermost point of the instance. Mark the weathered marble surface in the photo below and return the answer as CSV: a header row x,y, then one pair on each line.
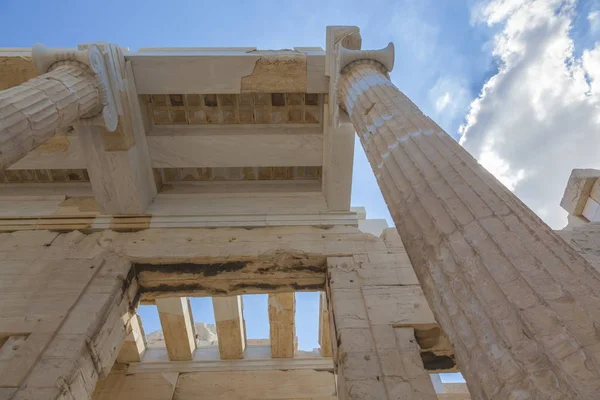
x,y
521,307
32,112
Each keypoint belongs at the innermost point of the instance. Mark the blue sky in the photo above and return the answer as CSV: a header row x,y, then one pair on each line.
x,y
538,60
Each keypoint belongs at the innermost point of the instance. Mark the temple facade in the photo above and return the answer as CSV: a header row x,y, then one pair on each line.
x,y
149,177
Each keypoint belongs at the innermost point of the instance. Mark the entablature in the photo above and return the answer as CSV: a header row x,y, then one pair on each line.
x,y
195,117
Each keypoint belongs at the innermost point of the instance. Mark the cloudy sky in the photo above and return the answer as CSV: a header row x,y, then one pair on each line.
x,y
538,116
517,82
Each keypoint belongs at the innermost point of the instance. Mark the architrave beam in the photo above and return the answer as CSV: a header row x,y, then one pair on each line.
x,y
276,274
235,146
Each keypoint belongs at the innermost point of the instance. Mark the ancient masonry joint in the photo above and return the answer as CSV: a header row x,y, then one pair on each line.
x,y
133,179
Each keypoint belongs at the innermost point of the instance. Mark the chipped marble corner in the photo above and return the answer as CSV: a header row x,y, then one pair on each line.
x,y
277,73
578,190
16,70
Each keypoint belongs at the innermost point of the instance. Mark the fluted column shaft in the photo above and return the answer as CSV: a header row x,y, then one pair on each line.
x,y
521,307
30,113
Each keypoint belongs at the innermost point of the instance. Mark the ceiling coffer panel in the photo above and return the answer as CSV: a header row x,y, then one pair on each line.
x,y
245,108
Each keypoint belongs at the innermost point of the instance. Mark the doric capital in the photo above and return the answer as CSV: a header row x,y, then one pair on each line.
x,y
92,59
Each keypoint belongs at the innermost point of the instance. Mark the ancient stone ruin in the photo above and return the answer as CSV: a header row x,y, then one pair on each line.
x,y
148,177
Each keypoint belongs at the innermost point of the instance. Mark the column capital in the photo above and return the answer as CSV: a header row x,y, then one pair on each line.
x,y
348,57
91,58
342,52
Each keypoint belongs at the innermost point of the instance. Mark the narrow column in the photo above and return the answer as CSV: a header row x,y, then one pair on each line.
x,y
520,305
229,318
134,346
324,331
178,327
282,310
73,85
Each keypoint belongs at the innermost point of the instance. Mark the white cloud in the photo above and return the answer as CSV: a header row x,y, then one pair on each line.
x,y
539,116
449,97
502,170
591,66
442,101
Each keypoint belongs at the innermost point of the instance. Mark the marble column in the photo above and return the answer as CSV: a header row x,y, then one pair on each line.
x,y
73,87
521,306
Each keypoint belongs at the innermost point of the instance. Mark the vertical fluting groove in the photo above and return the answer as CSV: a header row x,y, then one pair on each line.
x,y
445,305
414,160
539,269
455,315
32,112
459,281
521,306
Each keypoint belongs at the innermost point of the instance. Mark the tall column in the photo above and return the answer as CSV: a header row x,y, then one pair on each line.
x,y
521,307
74,85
